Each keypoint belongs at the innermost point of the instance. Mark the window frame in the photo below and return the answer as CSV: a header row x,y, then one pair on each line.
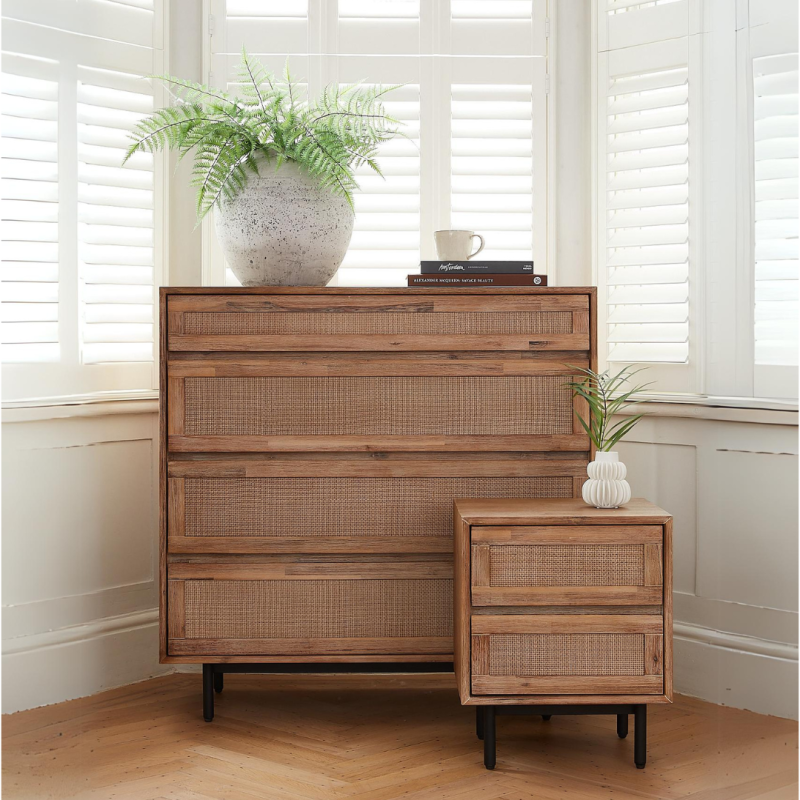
x,y
435,67
721,370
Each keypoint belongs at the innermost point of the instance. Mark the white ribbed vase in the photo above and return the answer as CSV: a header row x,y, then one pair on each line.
x,y
606,487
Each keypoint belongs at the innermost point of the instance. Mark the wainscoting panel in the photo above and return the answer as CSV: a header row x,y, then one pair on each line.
x,y
732,487
79,555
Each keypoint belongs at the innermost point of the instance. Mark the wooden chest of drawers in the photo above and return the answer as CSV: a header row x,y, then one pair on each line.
x,y
313,441
561,604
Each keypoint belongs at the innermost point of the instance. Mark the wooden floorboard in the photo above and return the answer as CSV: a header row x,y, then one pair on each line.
x,y
377,738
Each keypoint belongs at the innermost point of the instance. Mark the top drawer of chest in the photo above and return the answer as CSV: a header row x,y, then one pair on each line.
x,y
391,323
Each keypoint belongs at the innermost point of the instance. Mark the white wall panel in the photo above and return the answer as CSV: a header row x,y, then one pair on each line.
x,y
748,549
78,517
732,489
80,528
666,474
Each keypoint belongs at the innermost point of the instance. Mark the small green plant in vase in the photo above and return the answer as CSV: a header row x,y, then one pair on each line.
x,y
605,394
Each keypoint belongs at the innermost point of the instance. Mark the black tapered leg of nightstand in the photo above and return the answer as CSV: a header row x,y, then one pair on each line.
x,y
622,725
489,737
479,721
640,737
547,717
218,682
208,692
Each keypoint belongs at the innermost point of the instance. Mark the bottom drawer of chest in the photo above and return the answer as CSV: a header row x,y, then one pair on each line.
x,y
567,654
310,609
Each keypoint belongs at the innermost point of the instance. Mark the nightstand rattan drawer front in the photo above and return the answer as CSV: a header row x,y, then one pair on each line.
x,y
567,565
282,609
563,654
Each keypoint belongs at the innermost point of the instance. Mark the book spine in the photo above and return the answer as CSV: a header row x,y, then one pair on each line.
x,y
476,267
477,280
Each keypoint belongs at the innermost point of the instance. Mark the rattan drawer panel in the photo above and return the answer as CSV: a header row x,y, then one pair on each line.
x,y
330,514
321,616
567,565
532,567
579,654
530,655
582,663
366,322
377,406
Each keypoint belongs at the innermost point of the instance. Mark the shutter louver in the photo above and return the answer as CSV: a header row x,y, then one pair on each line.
x,y
30,270
385,243
498,9
492,167
775,119
647,216
267,8
378,9
623,6
115,219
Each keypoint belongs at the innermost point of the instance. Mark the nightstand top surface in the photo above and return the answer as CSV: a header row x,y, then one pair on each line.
x,y
556,511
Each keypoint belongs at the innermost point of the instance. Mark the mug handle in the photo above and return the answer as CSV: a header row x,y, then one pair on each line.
x,y
476,236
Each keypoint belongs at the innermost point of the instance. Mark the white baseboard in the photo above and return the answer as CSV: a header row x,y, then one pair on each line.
x,y
725,668
81,660
737,671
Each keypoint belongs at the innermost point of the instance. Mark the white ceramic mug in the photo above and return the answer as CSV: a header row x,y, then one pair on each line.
x,y
456,245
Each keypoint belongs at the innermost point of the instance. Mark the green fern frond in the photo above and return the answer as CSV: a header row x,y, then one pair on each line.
x,y
268,121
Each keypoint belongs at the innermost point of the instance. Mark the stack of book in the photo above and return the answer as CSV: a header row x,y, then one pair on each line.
x,y
476,273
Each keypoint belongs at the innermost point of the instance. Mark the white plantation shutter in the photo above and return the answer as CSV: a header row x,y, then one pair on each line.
x,y
499,9
697,198
776,206
378,9
115,219
645,191
623,6
475,68
387,221
647,216
492,167
81,232
29,190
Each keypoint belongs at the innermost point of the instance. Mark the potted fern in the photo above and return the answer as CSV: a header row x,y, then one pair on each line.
x,y
278,171
606,487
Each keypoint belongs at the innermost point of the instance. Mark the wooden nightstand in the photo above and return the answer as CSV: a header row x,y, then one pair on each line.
x,y
561,608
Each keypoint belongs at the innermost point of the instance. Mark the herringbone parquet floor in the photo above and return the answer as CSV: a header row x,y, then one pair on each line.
x,y
376,738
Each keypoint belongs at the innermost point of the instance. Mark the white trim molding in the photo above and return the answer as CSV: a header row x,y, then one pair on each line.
x,y
91,658
737,671
734,641
123,623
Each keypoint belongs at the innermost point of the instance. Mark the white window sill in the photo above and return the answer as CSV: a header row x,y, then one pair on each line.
x,y
728,409
93,405
765,411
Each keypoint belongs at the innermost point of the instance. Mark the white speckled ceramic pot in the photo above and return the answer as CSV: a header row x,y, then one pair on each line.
x,y
606,487
284,229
